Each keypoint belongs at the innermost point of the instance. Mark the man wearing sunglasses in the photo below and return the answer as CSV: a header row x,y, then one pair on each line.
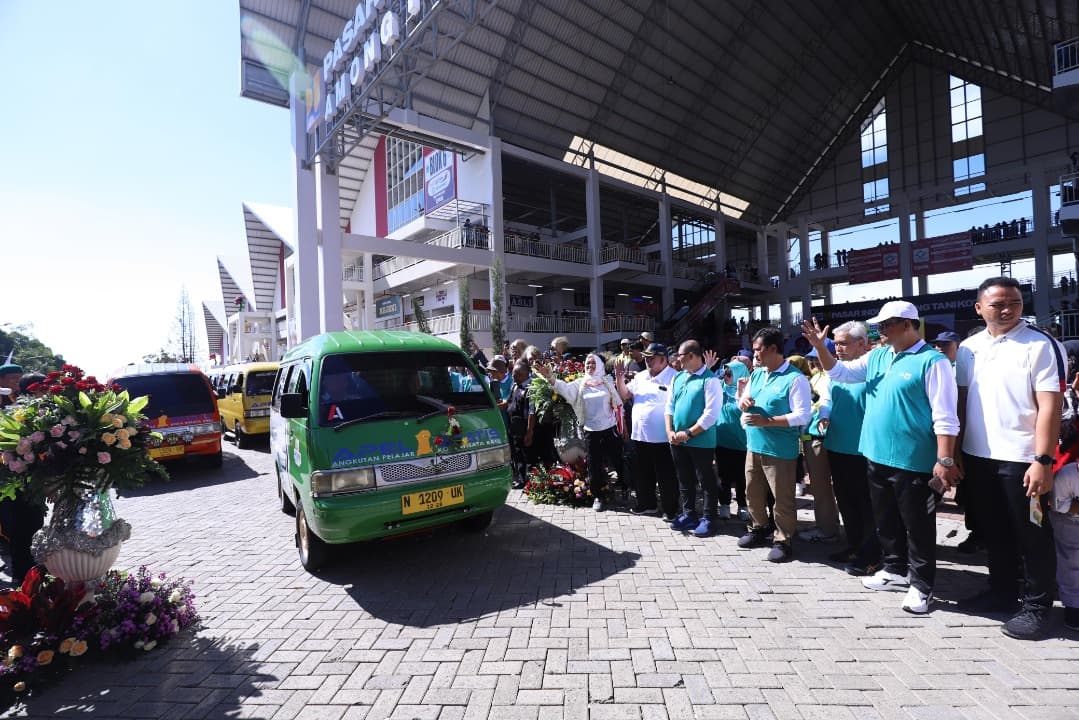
x,y
908,438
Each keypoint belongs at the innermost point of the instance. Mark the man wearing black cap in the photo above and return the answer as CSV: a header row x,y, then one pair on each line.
x,y
947,343
9,382
648,391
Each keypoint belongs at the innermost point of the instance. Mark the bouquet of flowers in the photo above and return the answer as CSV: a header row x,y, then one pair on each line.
x,y
548,405
45,625
73,438
558,485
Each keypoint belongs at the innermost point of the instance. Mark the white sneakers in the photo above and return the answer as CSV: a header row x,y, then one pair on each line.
x,y
884,580
916,601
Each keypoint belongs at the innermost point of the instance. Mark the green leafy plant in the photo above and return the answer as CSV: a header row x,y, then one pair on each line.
x,y
421,316
463,303
498,328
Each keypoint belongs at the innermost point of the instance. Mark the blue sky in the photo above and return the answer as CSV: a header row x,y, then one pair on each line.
x,y
126,154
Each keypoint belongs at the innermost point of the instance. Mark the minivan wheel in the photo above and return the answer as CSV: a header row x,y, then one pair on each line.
x,y
478,523
283,498
313,551
242,439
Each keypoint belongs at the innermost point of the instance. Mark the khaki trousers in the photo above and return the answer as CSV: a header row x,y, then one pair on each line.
x,y
825,509
763,473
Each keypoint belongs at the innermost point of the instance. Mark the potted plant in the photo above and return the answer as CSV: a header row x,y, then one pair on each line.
x,y
68,444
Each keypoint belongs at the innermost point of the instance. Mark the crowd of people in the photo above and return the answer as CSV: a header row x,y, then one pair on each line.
x,y
883,423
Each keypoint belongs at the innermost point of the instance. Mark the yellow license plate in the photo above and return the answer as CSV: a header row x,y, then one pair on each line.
x,y
432,499
169,451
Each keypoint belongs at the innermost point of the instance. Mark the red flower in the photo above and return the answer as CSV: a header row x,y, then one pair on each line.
x,y
438,441
33,387
68,368
54,374
116,387
56,389
91,379
67,381
82,385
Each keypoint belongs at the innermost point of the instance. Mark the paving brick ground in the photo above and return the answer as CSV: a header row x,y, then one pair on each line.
x,y
553,613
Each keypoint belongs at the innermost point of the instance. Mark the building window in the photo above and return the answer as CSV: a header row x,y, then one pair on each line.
x,y
875,160
968,156
404,182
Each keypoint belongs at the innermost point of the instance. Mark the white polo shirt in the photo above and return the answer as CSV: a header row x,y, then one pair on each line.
x,y
1001,375
649,402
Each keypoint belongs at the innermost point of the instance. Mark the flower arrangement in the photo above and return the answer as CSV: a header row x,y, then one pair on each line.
x,y
548,405
45,625
558,485
73,437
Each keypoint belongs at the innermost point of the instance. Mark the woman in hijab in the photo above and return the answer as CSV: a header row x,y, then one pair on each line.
x,y
595,401
731,443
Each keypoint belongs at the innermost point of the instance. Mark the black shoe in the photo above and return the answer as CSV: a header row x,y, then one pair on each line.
x,y
780,552
989,601
1030,623
842,556
756,537
969,546
861,568
517,485
1071,618
645,511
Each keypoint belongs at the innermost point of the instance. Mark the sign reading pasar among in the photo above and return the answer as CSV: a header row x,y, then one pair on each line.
x,y
358,50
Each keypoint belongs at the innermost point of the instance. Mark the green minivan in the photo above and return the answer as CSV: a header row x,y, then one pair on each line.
x,y
382,433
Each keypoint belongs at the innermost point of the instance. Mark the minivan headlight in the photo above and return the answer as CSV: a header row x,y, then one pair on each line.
x,y
343,481
493,457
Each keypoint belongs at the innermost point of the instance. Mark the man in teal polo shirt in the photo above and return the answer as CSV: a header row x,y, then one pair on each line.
x,y
776,403
908,438
690,416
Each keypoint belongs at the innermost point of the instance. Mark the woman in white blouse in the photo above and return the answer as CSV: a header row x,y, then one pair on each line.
x,y
595,401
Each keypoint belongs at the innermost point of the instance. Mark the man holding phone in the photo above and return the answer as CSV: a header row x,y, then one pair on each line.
x,y
908,439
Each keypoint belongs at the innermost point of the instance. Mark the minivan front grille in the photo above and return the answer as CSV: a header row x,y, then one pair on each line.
x,y
427,468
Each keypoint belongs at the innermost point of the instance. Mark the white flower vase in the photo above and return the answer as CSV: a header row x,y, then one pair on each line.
x,y
82,539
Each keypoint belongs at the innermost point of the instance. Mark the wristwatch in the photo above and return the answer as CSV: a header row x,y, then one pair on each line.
x,y
689,432
1043,459
946,462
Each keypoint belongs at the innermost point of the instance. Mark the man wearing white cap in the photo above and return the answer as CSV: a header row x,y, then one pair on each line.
x,y
908,438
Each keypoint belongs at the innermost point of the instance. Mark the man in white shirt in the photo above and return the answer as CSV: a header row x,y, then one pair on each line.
x,y
1011,378
649,391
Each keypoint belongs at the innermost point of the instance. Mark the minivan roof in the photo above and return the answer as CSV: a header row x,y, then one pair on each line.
x,y
368,341
249,367
154,369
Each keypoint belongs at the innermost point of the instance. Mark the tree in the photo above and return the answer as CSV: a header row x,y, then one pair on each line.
x,y
161,356
498,330
421,317
184,341
463,301
27,351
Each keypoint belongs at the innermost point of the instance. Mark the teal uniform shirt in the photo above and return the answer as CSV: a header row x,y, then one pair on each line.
x,y
900,431
771,397
688,400
729,431
848,411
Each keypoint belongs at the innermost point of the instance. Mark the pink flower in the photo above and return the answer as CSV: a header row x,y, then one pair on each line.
x,y
23,446
61,445
82,451
16,466
56,430
104,458
37,437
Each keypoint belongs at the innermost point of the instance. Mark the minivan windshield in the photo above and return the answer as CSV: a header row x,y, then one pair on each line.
x,y
353,386
175,395
260,383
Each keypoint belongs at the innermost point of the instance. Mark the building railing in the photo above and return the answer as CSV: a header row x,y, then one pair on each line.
x,y
615,252
629,324
654,267
1066,56
522,245
690,272
555,324
352,273
473,237
1069,189
447,324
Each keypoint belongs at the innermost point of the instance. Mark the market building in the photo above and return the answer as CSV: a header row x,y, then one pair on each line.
x,y
599,169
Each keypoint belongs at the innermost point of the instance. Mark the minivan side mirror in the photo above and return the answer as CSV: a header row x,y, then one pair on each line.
x,y
293,406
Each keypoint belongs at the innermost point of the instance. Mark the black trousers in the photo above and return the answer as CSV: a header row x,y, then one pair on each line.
x,y
731,468
19,520
851,484
655,466
604,451
1022,557
694,465
905,508
541,451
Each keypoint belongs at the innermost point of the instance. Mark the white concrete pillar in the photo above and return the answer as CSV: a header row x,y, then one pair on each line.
x,y
1039,238
919,234
762,256
666,253
905,271
595,244
333,293
307,276
721,243
804,284
826,243
369,293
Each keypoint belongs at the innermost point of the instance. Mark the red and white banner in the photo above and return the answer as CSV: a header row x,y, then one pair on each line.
x,y
946,253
